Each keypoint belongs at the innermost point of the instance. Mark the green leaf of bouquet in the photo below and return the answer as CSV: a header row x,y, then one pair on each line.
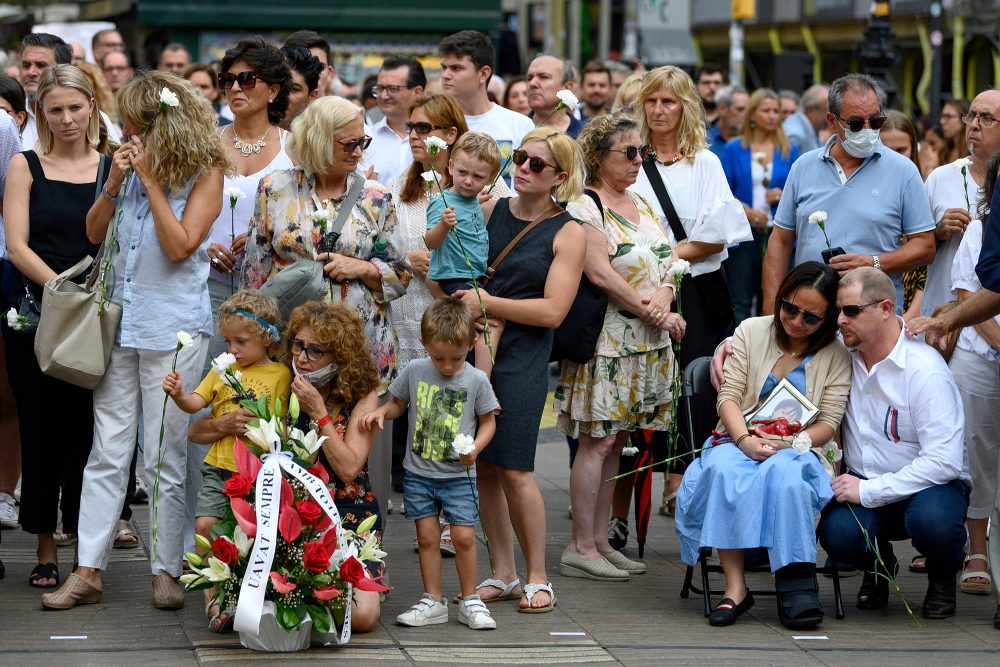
x,y
288,619
320,617
338,616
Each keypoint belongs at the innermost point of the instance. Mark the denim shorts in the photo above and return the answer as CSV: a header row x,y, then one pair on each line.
x,y
425,496
211,499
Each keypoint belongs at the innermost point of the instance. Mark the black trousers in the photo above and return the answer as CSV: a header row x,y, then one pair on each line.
x,y
57,429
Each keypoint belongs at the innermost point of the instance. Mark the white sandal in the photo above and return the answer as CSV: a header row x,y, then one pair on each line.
x,y
976,588
529,592
506,590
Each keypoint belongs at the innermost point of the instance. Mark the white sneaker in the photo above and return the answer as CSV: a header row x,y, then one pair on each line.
x,y
473,613
427,611
8,515
141,495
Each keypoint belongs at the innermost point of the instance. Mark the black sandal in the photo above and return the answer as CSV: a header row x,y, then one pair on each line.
x,y
44,571
798,596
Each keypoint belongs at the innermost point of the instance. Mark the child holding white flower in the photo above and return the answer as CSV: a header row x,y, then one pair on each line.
x,y
450,400
456,230
248,321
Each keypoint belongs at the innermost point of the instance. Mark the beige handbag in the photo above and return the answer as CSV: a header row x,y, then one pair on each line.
x,y
73,342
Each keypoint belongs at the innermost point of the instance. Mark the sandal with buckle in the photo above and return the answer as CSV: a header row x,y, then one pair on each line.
x,y
506,590
976,588
668,505
222,620
529,592
44,571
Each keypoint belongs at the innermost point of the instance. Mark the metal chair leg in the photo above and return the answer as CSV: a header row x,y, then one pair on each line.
x,y
686,588
838,598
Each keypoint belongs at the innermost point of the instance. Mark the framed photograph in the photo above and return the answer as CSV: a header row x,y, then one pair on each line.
x,y
785,401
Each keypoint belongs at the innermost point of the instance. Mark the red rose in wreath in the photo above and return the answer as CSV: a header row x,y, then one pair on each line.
x,y
309,511
225,550
353,572
316,557
238,486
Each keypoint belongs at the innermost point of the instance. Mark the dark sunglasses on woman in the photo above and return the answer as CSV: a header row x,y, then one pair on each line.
x,y
631,152
350,144
246,80
790,309
421,127
535,163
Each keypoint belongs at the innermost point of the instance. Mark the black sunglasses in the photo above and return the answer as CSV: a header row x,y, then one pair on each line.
x,y
246,80
856,125
535,163
854,310
420,127
351,144
790,309
631,152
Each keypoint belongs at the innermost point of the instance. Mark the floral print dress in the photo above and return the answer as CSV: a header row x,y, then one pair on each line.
x,y
282,231
627,385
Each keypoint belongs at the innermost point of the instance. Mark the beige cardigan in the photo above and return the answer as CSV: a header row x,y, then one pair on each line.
x,y
755,351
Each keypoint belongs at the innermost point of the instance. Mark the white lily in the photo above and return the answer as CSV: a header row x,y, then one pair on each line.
x,y
222,363
802,443
567,100
184,338
217,571
191,578
169,98
242,542
343,552
264,434
370,550
366,525
312,441
463,444
817,217
679,267
435,144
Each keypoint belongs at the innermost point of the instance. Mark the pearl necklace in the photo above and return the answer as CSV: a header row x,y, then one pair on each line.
x,y
246,148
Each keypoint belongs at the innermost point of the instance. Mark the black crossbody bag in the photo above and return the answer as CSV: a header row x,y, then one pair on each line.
x,y
710,289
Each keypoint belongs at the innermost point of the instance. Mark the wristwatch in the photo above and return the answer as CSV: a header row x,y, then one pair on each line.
x,y
318,425
877,264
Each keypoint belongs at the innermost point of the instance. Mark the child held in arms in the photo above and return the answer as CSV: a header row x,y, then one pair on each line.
x,y
450,398
455,222
249,322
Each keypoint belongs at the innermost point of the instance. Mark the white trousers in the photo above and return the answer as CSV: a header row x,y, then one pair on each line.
x,y
133,386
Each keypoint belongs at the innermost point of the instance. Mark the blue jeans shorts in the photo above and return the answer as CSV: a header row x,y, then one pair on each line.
x,y
425,496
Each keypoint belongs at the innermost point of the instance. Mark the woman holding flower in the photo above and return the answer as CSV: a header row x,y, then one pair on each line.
x,y
47,193
756,490
161,215
627,258
335,382
756,165
531,291
255,78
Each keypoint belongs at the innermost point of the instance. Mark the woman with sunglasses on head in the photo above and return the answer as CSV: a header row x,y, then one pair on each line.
x,y
754,490
532,290
255,78
707,220
161,216
756,164
294,217
627,258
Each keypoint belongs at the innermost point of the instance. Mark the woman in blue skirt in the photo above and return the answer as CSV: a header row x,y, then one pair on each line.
x,y
755,491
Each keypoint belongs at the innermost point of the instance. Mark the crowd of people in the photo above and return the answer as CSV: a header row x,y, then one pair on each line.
x,y
458,223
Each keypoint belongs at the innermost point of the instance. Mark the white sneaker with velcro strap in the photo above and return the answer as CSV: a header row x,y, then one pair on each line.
x,y
473,612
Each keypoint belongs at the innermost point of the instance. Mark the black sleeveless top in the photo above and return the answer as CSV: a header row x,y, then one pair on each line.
x,y
57,220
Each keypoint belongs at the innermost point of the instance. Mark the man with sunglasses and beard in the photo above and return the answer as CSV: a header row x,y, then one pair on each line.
x,y
872,196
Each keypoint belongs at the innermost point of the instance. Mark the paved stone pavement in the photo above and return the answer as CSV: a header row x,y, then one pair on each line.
x,y
641,622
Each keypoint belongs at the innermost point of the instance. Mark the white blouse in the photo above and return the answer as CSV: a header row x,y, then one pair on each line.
x,y
701,196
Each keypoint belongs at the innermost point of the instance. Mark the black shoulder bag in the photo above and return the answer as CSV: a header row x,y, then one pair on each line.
x,y
711,290
576,338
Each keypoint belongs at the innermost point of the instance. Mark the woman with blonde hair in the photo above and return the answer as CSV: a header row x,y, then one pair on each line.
x,y
532,290
756,164
679,174
155,224
294,217
47,194
628,93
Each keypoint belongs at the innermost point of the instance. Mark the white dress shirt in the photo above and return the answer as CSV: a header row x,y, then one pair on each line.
x,y
390,154
904,424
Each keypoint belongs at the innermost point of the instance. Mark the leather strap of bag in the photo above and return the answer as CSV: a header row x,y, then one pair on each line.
x,y
660,190
95,269
492,268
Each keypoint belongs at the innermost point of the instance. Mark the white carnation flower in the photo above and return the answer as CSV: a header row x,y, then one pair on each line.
x,y
760,158
12,320
630,451
817,217
184,338
222,363
169,98
567,99
463,444
434,144
962,163
831,452
430,175
233,193
802,443
679,267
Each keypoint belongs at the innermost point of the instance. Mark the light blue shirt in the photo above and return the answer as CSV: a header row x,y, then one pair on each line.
x,y
800,131
158,297
881,201
447,261
10,145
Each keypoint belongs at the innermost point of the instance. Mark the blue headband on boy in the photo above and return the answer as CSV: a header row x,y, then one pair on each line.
x,y
275,335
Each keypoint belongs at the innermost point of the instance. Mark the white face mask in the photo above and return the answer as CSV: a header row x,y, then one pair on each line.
x,y
319,377
860,144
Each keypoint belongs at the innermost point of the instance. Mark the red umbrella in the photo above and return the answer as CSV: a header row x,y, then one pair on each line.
x,y
642,485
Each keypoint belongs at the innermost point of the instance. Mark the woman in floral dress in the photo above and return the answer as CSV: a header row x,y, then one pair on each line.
x,y
627,385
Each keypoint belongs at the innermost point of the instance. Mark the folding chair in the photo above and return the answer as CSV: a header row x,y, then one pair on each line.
x,y
697,382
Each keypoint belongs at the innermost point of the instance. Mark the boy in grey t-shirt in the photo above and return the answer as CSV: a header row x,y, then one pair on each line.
x,y
448,399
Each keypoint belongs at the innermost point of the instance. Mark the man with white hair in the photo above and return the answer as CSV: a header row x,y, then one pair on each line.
x,y
802,127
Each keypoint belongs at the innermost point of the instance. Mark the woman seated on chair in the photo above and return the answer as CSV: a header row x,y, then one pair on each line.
x,y
754,490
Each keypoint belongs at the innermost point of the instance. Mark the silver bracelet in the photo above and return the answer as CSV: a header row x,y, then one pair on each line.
x,y
107,195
